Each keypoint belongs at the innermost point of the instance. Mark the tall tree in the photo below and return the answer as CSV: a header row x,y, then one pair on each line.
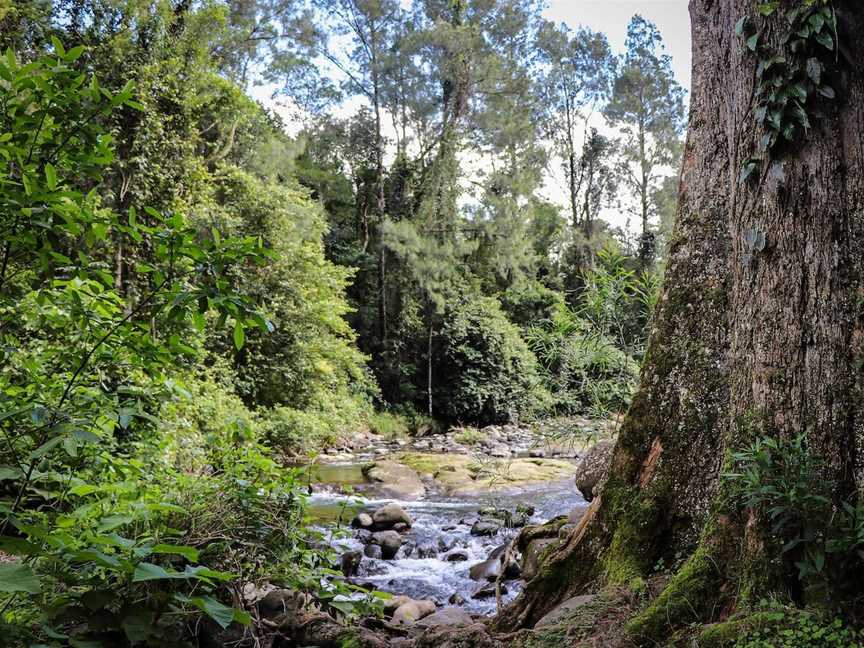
x,y
647,106
371,26
578,73
758,331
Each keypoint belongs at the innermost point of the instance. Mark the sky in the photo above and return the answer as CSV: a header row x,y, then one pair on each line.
x,y
611,17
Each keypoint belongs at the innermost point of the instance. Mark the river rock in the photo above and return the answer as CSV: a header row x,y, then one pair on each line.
x,y
592,469
491,567
393,603
389,541
349,563
395,479
457,556
456,599
372,551
426,550
281,601
449,616
390,515
446,542
531,556
362,521
488,591
485,528
564,610
412,611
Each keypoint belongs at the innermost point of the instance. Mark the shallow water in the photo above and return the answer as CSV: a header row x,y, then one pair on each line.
x,y
440,522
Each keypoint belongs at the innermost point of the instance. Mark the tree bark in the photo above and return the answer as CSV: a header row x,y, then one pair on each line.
x,y
741,346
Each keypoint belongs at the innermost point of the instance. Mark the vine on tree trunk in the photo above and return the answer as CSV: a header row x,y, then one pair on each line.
x,y
796,57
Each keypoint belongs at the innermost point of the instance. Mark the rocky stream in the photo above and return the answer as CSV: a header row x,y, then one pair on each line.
x,y
431,520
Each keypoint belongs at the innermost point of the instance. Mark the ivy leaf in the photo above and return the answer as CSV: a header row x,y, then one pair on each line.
x,y
219,612
814,70
825,39
740,25
817,22
768,8
189,553
827,92
753,42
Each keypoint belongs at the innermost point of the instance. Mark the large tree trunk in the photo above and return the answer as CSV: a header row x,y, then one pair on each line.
x,y
740,347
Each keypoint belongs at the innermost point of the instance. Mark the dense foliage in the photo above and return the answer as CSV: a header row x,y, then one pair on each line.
x,y
190,297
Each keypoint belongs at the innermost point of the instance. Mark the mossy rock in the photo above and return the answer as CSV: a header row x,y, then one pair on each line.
x,y
463,475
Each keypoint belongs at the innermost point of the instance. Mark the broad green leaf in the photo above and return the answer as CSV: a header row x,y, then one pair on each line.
x,y
17,577
148,571
219,612
189,553
111,522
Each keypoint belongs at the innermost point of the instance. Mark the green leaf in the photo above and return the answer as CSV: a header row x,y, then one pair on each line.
x,y
74,54
189,553
8,472
768,8
239,335
148,571
753,42
827,92
824,39
219,612
51,176
17,577
740,25
58,46
111,522
817,22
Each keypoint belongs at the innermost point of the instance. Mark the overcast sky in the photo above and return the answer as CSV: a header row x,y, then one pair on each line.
x,y
611,17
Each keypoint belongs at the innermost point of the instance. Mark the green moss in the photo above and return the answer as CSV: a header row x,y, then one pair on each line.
x,y
684,599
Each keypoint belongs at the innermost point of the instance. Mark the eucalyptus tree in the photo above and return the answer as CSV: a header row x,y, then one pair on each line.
x,y
577,72
739,460
370,27
647,107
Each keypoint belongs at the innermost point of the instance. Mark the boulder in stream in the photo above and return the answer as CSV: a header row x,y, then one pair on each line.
x,y
592,469
485,528
395,479
389,541
362,521
373,551
412,611
487,591
389,516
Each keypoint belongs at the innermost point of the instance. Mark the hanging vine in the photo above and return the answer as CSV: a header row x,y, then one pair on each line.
x,y
796,55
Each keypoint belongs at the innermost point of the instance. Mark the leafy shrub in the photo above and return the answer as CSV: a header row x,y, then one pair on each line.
x,y
583,369
320,424
389,425
488,373
531,302
784,482
783,627
467,435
